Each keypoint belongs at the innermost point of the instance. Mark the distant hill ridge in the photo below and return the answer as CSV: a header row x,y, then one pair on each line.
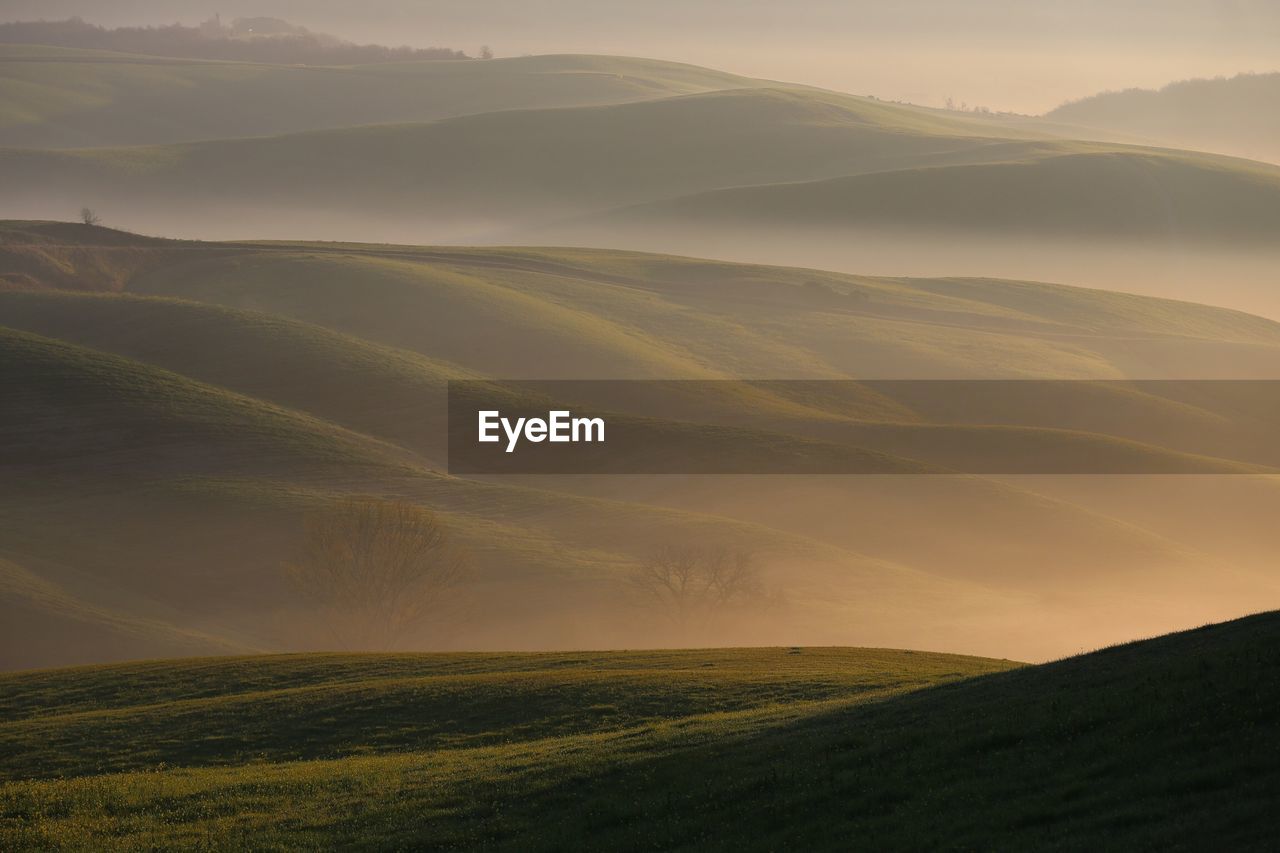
x,y
245,40
65,97
1230,115
559,149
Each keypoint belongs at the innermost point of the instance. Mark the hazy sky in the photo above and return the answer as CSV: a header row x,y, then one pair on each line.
x,y
1023,55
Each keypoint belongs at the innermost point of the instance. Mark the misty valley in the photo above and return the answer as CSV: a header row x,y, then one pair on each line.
x,y
408,447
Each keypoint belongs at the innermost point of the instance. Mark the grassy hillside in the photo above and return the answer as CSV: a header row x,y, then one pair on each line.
x,y
55,97
49,255
436,305
42,624
485,174
1107,194
1153,744
380,391
186,497
70,406
500,169
345,705
305,372
556,149
1236,116
635,315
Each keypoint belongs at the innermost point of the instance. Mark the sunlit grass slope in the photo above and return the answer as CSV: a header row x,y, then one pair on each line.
x,y
1161,743
390,393
67,405
184,425
636,315
595,320
67,98
228,711
621,314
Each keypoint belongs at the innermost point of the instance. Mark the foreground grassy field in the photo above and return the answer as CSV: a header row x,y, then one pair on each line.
x,y
1158,744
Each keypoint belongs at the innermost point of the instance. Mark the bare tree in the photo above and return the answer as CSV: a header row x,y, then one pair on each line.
x,y
376,569
694,585
485,52
88,217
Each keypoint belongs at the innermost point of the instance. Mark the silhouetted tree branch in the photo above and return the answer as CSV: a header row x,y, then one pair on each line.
x,y
692,585
376,569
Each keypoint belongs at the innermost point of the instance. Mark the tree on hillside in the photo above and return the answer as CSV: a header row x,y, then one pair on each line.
x,y
376,570
88,217
692,586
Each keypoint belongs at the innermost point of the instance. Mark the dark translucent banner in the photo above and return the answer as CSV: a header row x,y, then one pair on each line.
x,y
864,427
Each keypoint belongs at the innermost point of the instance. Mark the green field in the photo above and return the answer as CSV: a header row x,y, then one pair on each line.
x,y
1158,744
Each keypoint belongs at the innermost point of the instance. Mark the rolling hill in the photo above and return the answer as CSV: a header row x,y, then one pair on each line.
x,y
42,622
59,97
1164,742
186,499
811,476
497,170
482,176
157,472
66,405
376,390
621,152
305,372
1102,195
